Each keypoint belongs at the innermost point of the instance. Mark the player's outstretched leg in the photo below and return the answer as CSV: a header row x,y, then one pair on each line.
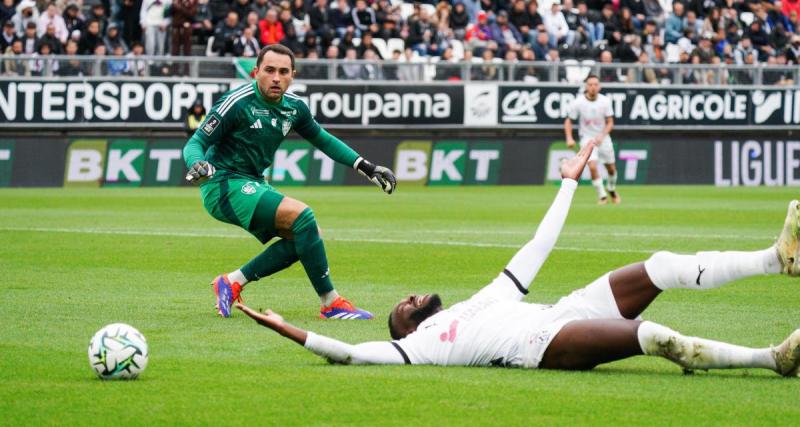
x,y
584,344
299,220
637,285
611,184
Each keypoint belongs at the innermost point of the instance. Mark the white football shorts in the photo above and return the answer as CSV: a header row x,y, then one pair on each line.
x,y
603,153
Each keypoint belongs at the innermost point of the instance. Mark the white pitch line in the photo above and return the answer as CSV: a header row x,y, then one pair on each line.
x,y
334,239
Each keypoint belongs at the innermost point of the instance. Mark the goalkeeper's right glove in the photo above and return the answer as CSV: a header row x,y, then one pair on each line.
x,y
200,171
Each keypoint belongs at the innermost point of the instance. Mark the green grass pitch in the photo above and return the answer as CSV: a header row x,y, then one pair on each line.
x,y
75,260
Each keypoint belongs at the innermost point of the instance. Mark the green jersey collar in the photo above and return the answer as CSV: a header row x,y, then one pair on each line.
x,y
261,95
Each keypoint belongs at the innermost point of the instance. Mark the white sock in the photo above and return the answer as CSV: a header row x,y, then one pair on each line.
x,y
329,298
237,277
612,182
598,186
700,353
706,270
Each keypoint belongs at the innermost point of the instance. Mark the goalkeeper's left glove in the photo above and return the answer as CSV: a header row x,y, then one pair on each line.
x,y
382,176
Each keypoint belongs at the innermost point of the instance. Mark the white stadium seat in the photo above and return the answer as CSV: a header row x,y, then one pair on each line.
x,y
382,47
395,44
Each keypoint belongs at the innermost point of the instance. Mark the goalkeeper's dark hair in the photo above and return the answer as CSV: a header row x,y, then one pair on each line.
x,y
392,330
277,48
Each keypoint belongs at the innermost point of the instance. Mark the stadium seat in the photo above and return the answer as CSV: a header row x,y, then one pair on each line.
x,y
210,47
458,49
429,71
673,53
356,41
573,69
382,47
395,44
746,18
406,10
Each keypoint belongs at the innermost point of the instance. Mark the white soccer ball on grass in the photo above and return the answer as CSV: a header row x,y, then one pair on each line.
x,y
118,351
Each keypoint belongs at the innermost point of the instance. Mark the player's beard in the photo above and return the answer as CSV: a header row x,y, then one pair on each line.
x,y
430,308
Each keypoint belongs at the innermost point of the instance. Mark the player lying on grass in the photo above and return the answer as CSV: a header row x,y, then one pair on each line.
x,y
227,155
597,324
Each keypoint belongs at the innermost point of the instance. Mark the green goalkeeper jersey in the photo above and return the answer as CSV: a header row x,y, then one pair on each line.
x,y
243,130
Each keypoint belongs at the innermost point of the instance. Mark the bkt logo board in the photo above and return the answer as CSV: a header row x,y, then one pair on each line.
x,y
123,162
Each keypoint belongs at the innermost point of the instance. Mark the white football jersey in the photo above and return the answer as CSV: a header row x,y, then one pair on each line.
x,y
590,115
487,329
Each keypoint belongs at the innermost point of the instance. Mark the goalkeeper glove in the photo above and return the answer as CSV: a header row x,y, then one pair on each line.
x,y
200,171
382,176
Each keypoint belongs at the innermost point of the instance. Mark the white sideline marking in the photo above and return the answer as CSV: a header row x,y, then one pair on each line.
x,y
333,239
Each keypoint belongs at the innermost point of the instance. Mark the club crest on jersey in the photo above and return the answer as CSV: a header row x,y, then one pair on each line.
x,y
259,111
249,188
287,126
274,122
211,123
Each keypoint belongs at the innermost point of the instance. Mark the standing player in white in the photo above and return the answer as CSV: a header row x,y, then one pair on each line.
x,y
597,324
595,121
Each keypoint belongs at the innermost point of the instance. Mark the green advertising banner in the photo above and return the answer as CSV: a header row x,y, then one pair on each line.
x,y
164,163
484,163
6,162
85,164
125,163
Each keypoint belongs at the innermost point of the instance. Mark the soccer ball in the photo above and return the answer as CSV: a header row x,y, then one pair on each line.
x,y
118,351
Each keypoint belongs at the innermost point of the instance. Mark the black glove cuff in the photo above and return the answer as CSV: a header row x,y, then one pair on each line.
x,y
365,167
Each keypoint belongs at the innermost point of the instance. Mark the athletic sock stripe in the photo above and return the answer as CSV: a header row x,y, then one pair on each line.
x,y
235,99
238,90
516,282
402,353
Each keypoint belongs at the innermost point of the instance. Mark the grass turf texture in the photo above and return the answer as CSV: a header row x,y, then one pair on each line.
x,y
75,260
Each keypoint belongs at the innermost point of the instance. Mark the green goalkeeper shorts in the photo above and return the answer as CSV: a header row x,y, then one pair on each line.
x,y
234,201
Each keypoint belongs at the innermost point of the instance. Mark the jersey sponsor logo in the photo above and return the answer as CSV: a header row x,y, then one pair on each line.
x,y
256,124
450,335
259,111
211,123
286,127
249,188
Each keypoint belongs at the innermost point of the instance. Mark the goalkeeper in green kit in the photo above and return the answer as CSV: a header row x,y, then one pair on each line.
x,y
227,155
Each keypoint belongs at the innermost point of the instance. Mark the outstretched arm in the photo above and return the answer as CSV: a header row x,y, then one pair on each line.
x,y
514,281
369,353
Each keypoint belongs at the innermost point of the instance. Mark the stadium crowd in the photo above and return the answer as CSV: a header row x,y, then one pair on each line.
x,y
479,31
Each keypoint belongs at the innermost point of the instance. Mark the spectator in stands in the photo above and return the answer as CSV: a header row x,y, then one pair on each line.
x,y
744,76
478,34
691,21
794,22
628,50
137,67
637,10
226,33
90,38
389,29
625,23
778,76
49,37
26,13
486,70
183,12
15,66
129,20
743,49
252,22
704,49
760,40
649,32
246,45
332,53
201,21
99,68
73,20
590,21
311,44
113,39
43,65
98,13
154,21
241,7
607,74
72,66
52,16
270,29
420,31
260,7
459,20
290,36
363,18
505,34
673,28
789,6
390,66
341,19
29,40
118,65
194,118
8,36
541,45
713,21
349,70
313,71
447,68
779,38
643,73
320,21
610,25
556,26
527,72
409,71
372,70
367,44
7,10
793,52
732,34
